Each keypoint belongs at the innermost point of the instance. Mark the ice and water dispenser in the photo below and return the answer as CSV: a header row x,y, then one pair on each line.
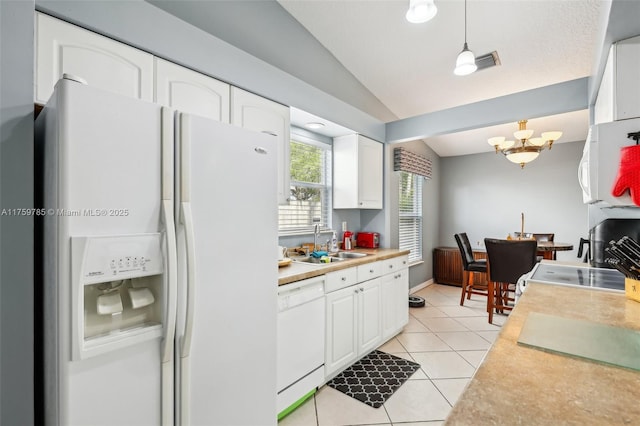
x,y
117,292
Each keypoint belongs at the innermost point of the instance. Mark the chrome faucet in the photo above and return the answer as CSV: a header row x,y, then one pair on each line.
x,y
316,235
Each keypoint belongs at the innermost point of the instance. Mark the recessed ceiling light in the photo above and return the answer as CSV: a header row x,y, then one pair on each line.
x,y
314,125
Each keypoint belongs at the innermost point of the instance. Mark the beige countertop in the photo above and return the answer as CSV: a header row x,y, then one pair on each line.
x,y
521,385
300,271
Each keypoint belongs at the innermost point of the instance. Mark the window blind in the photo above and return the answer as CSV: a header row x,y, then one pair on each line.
x,y
410,215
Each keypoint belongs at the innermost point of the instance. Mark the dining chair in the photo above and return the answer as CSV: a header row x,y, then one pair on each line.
x,y
508,260
469,266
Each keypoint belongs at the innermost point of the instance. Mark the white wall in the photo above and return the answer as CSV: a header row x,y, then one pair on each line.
x,y
16,191
484,194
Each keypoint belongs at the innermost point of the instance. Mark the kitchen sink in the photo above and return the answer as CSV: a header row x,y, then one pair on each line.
x,y
349,255
310,259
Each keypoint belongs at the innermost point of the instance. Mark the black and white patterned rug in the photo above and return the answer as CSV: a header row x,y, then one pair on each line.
x,y
374,378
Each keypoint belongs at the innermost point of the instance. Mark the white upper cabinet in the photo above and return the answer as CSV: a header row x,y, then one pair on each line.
x,y
189,91
618,93
357,173
101,61
262,115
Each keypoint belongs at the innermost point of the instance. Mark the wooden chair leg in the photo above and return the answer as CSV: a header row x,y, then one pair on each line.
x,y
465,278
470,274
490,300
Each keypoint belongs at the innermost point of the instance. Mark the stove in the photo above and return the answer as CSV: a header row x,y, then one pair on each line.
x,y
578,276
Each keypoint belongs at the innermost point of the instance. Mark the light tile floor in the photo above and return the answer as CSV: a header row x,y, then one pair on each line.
x,y
449,342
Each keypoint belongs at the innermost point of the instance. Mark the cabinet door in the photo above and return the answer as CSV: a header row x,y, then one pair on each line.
x,y
101,61
189,91
341,333
369,174
262,115
389,305
402,298
369,316
395,305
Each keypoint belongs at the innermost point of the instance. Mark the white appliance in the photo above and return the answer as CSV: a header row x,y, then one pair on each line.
x,y
598,167
114,295
301,326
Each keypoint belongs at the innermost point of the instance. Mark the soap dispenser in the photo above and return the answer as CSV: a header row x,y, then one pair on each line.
x,y
334,242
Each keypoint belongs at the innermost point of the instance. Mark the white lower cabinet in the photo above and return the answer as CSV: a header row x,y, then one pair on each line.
x,y
354,324
354,319
395,309
369,316
341,348
364,309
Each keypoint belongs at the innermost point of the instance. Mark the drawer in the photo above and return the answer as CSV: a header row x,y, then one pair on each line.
x,y
369,271
340,279
395,264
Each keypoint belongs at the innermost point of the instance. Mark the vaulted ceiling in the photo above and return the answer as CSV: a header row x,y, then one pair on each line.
x,y
366,53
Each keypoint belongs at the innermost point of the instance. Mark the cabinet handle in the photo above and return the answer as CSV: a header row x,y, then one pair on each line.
x,y
268,132
356,290
371,271
343,278
390,266
361,288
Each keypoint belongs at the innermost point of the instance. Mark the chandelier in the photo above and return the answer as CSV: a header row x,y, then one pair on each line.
x,y
524,149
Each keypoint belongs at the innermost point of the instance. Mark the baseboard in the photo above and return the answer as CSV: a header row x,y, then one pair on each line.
x,y
421,286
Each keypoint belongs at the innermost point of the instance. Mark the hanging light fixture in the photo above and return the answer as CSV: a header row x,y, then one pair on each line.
x,y
525,149
466,62
421,11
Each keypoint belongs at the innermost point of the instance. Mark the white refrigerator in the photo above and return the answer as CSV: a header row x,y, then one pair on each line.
x,y
159,279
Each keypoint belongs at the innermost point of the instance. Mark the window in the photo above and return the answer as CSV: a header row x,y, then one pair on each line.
x,y
310,199
410,215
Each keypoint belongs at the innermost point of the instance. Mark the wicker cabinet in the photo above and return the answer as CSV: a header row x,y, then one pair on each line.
x,y
447,266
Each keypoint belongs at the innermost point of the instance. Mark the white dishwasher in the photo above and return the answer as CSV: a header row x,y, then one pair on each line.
x,y
300,367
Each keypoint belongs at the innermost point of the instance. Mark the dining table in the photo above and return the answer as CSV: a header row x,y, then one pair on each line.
x,y
548,248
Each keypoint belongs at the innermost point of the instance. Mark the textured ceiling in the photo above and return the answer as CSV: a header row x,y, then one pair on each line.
x,y
366,53
409,67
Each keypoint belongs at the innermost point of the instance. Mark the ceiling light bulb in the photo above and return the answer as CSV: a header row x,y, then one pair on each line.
x,y
314,125
466,62
421,11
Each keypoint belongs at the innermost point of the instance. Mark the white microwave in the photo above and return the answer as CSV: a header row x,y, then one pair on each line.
x,y
600,161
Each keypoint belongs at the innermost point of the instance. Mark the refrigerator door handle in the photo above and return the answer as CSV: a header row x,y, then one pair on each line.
x,y
168,215
170,229
172,293
187,220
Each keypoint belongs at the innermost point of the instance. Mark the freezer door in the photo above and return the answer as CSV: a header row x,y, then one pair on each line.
x,y
102,181
227,235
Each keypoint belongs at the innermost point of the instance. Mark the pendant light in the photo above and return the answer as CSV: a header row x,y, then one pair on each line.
x,y
466,62
421,11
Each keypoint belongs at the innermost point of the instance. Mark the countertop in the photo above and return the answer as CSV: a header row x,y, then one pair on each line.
x,y
300,271
521,385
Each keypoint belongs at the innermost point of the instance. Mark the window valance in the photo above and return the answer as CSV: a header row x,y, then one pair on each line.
x,y
407,161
